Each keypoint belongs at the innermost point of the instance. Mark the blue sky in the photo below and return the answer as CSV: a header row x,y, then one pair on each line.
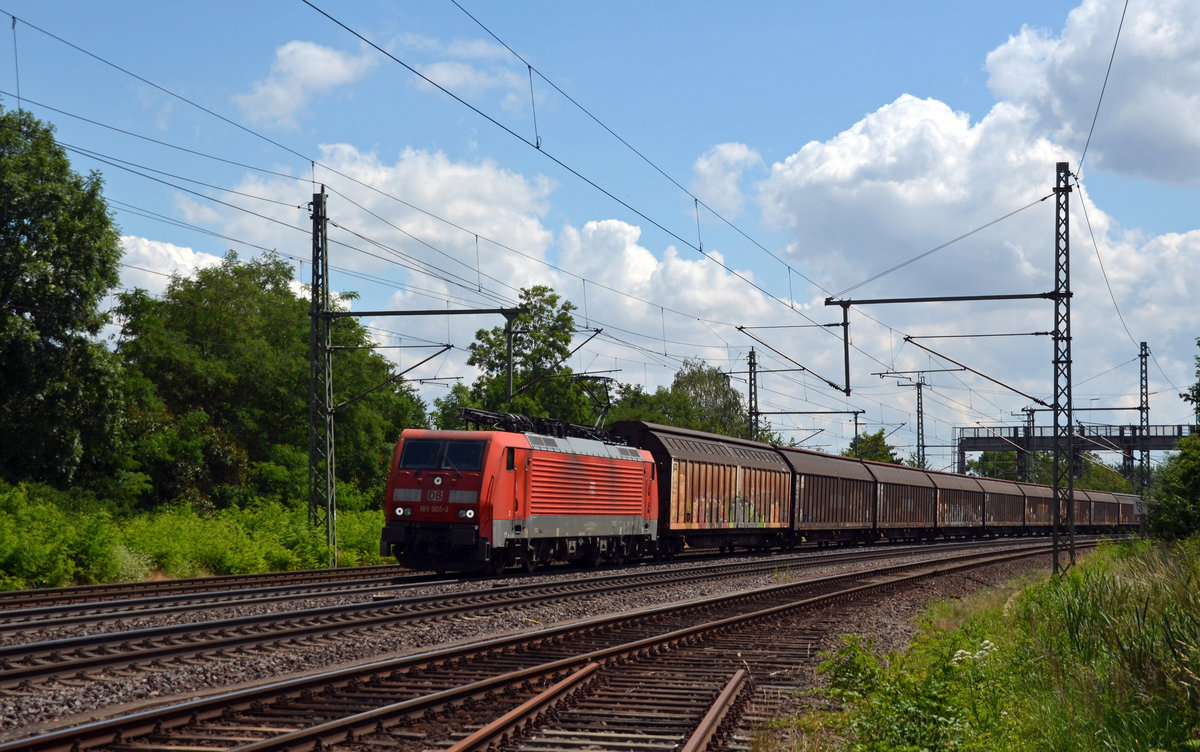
x,y
824,142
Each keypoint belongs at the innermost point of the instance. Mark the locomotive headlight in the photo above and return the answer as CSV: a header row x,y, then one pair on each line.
x,y
404,511
466,514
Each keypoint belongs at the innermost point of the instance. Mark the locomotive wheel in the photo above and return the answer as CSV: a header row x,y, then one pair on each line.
x,y
592,558
497,563
616,555
529,562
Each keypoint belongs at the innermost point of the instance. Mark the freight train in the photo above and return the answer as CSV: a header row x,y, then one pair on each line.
x,y
530,492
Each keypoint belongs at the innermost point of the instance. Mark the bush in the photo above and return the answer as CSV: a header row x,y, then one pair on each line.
x,y
261,537
42,545
51,538
1173,508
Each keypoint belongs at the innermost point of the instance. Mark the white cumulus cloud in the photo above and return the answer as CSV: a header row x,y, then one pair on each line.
x,y
914,175
717,176
301,72
1146,124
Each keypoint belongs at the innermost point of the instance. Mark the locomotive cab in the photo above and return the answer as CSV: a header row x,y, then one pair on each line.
x,y
434,503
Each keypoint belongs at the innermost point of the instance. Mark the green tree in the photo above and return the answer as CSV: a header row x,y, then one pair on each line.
x,y
1192,394
665,406
1173,506
1091,472
220,369
59,388
445,414
1097,475
716,406
871,446
543,386
700,398
997,464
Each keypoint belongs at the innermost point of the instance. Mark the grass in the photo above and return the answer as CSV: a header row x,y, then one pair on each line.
x,y
1105,658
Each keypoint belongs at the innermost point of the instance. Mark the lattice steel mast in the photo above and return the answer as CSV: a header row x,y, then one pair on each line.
x,y
1063,424
1144,433
322,494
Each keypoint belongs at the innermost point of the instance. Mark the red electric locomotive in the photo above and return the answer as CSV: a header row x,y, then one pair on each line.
x,y
484,500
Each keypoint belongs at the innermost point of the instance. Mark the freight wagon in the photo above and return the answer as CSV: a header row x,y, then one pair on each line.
x,y
715,491
834,498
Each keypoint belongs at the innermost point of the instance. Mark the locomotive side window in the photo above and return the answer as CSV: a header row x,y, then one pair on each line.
x,y
464,455
420,454
510,459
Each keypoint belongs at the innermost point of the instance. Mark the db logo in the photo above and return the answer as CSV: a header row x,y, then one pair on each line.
x,y
435,495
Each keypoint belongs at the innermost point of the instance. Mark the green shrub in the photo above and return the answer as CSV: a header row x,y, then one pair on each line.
x,y
358,538
50,538
42,544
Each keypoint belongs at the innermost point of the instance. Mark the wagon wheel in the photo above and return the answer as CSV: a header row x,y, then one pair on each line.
x,y
497,563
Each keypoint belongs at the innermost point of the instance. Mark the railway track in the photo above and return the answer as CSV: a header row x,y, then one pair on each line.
x,y
26,666
45,597
691,652
21,620
46,613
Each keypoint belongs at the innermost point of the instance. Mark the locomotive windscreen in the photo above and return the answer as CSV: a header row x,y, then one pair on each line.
x,y
433,454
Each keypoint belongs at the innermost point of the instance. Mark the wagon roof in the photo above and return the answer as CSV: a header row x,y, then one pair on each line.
x,y
1031,489
996,486
808,462
1097,495
954,482
886,472
683,443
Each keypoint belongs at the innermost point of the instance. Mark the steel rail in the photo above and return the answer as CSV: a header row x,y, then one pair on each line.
x,y
61,615
90,593
351,728
712,722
